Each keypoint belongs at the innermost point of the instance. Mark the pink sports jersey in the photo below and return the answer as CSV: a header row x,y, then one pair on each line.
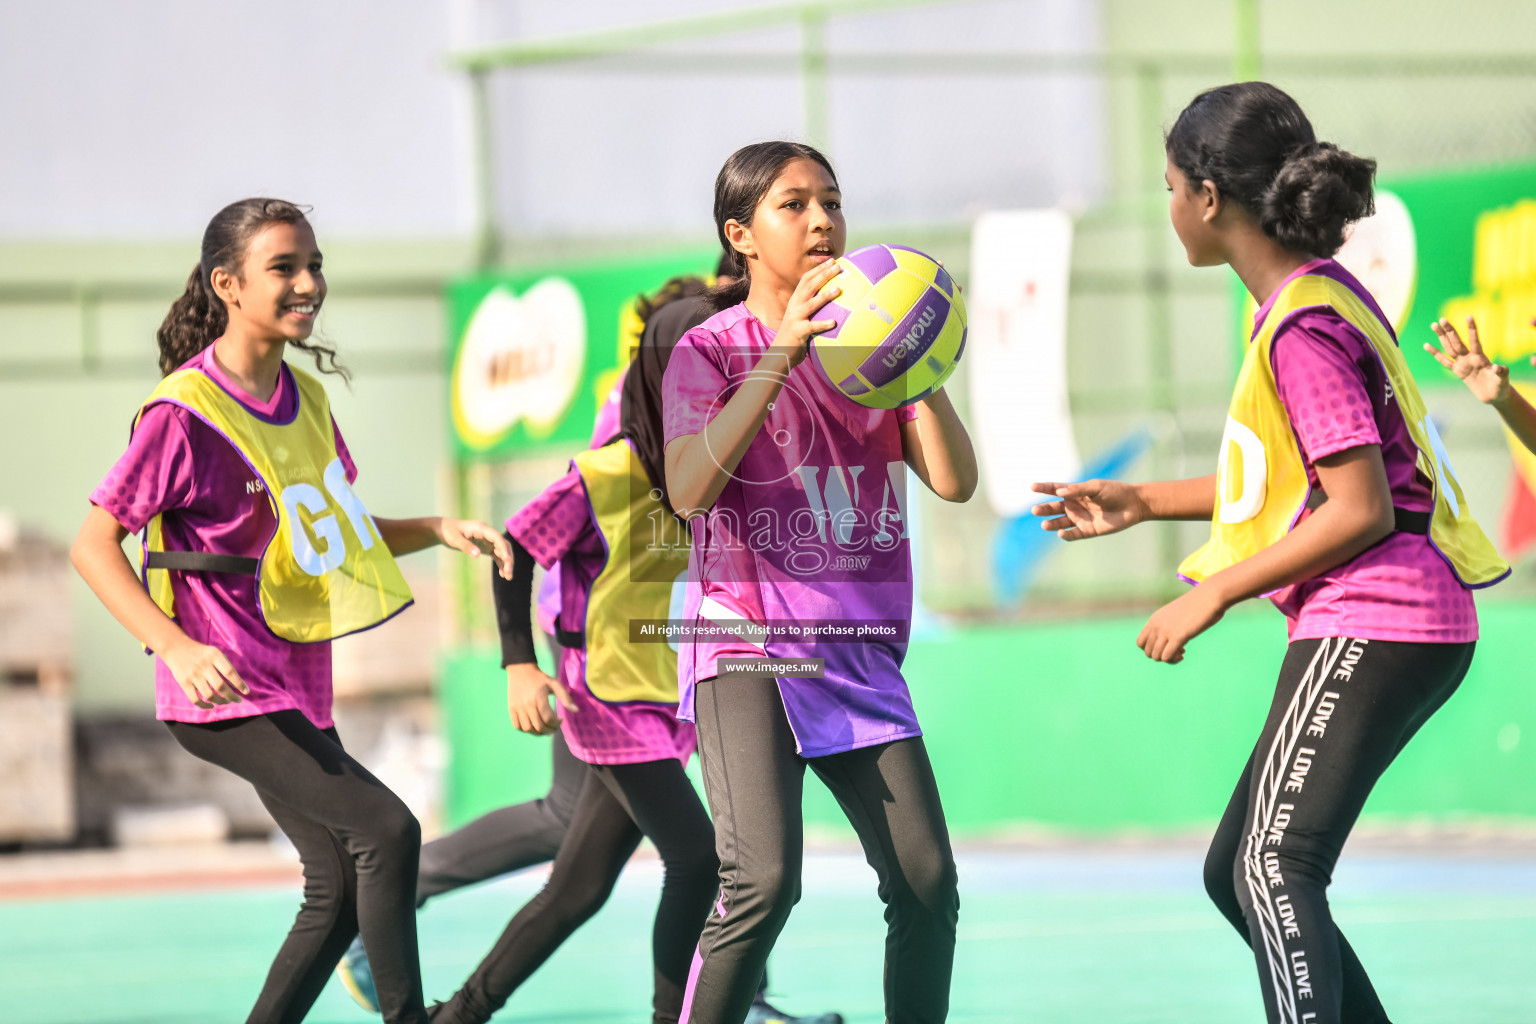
x,y
809,535
557,527
1335,391
179,465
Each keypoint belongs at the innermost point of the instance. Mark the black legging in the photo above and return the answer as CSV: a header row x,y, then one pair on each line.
x,y
358,843
1342,712
511,838
755,779
507,839
618,805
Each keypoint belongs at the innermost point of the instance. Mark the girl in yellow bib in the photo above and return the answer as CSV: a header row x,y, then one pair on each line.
x,y
257,554
1333,496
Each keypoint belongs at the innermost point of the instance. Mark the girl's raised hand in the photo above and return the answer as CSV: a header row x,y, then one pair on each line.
x,y
795,331
204,673
1487,380
475,538
1093,508
528,693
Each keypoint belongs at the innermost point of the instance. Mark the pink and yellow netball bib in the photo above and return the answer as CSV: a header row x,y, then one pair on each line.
x,y
326,572
1261,477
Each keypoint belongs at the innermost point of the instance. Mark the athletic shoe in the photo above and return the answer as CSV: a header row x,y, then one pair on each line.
x,y
763,1013
357,976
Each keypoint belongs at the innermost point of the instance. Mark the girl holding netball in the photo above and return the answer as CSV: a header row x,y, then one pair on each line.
x,y
759,448
1344,512
257,554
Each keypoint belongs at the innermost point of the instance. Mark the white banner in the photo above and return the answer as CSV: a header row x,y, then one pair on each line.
x,y
1017,354
1383,253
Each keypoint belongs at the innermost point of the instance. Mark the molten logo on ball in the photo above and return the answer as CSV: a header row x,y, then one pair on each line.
x,y
909,343
899,331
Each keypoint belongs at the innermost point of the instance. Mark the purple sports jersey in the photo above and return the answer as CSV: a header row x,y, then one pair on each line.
x,y
809,534
180,466
1336,393
557,527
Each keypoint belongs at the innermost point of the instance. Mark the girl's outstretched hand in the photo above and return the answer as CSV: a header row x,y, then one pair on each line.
x,y
795,331
528,693
204,673
1487,380
1178,622
475,538
1093,508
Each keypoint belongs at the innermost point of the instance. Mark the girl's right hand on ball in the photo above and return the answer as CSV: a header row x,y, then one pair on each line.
x,y
797,327
528,693
204,673
1093,508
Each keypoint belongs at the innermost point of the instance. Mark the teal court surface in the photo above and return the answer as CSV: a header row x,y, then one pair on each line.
x,y
1071,935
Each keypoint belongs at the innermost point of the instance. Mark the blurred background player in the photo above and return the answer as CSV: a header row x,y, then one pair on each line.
x,y
233,571
520,836
1344,514
619,699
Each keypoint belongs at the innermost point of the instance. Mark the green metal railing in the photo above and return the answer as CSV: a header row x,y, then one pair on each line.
x,y
580,49
638,50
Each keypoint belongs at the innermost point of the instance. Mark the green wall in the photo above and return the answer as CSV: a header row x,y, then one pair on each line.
x,y
1065,725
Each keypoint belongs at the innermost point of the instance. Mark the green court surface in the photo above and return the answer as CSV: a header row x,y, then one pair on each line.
x,y
1089,935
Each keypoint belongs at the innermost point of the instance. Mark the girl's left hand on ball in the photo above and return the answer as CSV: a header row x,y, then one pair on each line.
x,y
1178,622
475,538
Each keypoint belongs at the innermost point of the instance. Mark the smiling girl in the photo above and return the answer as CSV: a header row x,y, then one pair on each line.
x,y
258,554
1333,498
796,498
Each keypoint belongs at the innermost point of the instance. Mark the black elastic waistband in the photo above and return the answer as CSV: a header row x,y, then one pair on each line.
x,y
570,638
1407,521
201,561
1403,520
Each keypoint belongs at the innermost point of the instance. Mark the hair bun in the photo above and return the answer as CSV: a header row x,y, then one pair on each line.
x,y
1318,192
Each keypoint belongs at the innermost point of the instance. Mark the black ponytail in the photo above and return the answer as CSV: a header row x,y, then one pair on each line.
x,y
684,286
198,318
740,186
1254,143
195,320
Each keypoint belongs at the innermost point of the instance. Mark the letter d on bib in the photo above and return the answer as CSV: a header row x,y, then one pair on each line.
x,y
1247,502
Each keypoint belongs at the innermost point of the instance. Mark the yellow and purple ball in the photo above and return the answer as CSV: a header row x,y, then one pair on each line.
x,y
900,327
